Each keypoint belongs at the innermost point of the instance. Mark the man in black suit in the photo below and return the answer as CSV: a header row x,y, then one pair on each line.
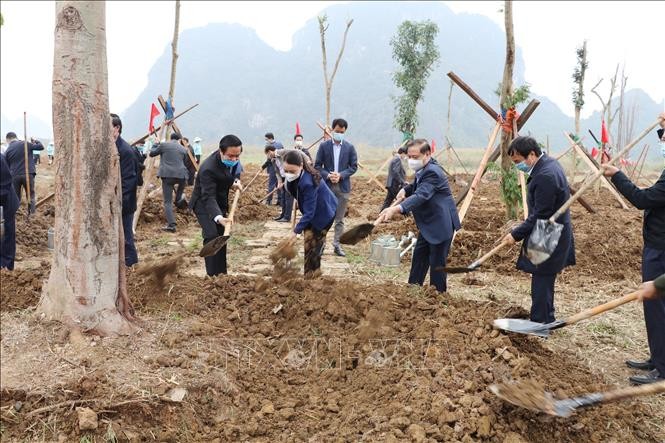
x,y
174,174
396,177
337,161
210,199
652,200
15,156
9,203
130,170
547,191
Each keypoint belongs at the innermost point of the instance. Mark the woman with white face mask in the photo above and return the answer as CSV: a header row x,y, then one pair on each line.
x,y
652,200
316,202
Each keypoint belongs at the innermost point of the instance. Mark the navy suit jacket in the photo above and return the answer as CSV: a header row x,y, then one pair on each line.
x,y
8,199
129,172
317,203
348,163
547,191
15,156
430,200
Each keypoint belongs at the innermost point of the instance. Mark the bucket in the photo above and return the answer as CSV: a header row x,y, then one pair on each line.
x,y
50,241
375,251
391,256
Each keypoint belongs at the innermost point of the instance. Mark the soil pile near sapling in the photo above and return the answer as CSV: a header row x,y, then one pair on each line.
x,y
152,214
32,233
250,209
337,360
21,289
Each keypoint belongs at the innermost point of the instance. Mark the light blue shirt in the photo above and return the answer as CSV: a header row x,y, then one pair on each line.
x,y
337,149
197,148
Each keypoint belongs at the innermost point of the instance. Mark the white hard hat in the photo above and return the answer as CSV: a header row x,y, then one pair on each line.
x,y
197,139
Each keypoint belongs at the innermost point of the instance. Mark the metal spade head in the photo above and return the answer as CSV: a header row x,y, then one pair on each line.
x,y
213,246
523,326
356,234
457,269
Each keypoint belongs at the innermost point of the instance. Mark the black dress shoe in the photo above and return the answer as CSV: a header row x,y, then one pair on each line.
x,y
168,228
651,377
641,365
339,251
283,220
278,218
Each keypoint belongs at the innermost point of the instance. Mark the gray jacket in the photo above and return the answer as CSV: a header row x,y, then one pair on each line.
x,y
396,173
172,160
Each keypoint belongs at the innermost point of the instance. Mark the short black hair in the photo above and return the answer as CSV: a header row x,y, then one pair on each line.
x,y
523,146
185,139
10,135
175,136
268,148
297,135
420,143
401,150
269,135
229,141
340,122
116,122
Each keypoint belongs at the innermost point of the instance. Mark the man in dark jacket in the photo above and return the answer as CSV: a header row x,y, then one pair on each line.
x,y
271,170
652,200
130,170
396,177
210,199
337,161
547,191
174,175
15,156
9,203
430,200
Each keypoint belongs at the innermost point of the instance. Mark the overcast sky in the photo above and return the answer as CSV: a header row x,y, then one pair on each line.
x,y
629,32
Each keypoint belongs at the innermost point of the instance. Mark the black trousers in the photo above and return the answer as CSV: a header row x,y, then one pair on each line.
x,y
20,184
426,257
542,298
287,203
653,266
390,196
215,264
131,256
8,241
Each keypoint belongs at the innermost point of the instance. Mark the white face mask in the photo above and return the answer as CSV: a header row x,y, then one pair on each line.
x,y
299,143
416,164
662,147
289,176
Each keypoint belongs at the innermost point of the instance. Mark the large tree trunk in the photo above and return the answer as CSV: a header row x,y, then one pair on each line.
x,y
86,288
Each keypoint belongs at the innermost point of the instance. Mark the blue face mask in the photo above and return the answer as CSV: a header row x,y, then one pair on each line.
x,y
522,166
338,137
662,148
230,163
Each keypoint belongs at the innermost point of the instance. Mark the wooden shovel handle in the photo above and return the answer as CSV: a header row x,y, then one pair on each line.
x,y
599,173
232,212
635,391
588,313
269,194
252,180
293,214
484,258
394,203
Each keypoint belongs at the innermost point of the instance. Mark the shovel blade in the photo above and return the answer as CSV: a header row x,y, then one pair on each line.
x,y
454,269
213,246
543,241
522,326
356,234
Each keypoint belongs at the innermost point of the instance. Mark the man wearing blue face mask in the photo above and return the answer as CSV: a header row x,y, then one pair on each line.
x,y
217,175
547,191
337,161
652,200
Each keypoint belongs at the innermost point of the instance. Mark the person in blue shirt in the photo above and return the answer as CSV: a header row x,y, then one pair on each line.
x,y
198,150
50,150
272,171
317,204
430,200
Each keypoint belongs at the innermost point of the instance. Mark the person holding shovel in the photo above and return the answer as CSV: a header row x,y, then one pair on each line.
x,y
15,156
396,177
430,200
652,200
317,204
548,190
217,175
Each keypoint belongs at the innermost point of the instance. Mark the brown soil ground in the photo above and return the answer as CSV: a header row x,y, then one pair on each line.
x,y
327,359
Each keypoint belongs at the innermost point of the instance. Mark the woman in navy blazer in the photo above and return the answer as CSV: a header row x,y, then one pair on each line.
x,y
317,204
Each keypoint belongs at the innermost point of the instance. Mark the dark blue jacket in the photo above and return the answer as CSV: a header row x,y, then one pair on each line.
x,y
547,191
317,203
348,163
129,172
15,156
432,204
8,199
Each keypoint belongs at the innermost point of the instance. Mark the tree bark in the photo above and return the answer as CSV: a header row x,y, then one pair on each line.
x,y
506,92
86,287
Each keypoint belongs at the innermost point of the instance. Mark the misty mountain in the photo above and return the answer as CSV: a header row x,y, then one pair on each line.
x,y
37,128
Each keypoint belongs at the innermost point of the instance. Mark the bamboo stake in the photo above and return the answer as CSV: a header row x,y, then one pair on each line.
x,y
637,163
383,165
150,173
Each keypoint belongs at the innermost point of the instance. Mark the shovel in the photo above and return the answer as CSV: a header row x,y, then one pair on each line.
x,y
362,231
543,401
543,330
546,234
213,246
473,266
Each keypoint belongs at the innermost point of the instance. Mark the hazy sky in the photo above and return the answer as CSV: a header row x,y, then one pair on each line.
x,y
138,32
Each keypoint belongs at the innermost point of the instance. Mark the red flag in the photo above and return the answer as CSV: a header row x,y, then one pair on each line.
x,y
433,146
298,129
604,136
594,152
154,112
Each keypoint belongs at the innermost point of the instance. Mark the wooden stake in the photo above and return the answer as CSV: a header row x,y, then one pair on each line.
x,y
252,180
159,128
374,180
383,165
174,56
639,160
150,173
25,156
